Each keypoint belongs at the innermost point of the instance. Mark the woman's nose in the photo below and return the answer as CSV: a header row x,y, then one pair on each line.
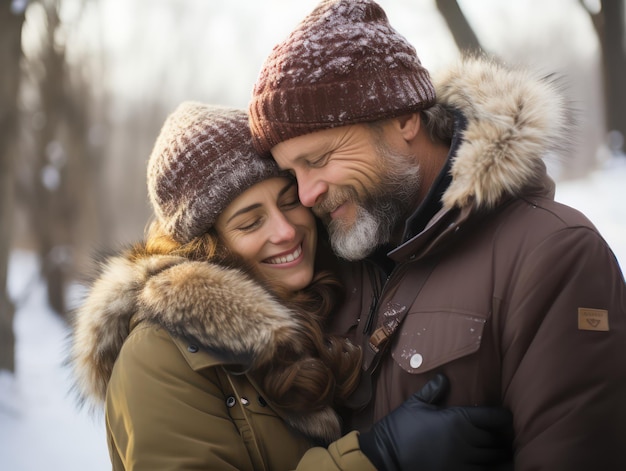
x,y
282,230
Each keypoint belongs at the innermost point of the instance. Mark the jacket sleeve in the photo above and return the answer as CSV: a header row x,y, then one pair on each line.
x,y
162,416
564,355
341,455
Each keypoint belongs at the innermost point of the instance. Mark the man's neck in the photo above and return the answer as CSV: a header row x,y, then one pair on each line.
x,y
432,159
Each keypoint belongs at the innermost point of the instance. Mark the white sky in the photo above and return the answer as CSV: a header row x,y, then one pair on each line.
x,y
199,48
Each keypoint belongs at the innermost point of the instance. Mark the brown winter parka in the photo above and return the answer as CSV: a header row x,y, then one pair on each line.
x,y
516,298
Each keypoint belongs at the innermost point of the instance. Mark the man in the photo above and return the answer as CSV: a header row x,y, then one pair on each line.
x,y
475,272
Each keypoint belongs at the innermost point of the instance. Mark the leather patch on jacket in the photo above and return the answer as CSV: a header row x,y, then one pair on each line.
x,y
593,319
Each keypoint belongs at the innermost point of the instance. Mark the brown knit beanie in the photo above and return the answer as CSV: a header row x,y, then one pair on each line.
x,y
202,160
343,64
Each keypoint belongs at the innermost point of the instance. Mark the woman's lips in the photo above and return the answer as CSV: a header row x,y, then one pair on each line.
x,y
285,258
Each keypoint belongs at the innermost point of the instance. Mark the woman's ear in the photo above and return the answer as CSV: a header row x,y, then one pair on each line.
x,y
409,125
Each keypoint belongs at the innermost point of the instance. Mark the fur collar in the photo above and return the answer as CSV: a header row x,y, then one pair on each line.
x,y
221,309
515,119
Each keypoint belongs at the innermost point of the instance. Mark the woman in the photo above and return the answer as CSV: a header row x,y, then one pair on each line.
x,y
205,342
199,364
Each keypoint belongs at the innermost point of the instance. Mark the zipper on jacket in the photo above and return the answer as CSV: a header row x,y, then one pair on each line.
x,y
376,274
367,328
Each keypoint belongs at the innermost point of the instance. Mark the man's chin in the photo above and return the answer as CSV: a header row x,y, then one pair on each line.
x,y
350,252
356,240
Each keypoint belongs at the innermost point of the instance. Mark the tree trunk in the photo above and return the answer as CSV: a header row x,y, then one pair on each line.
x,y
609,26
614,57
10,54
47,212
59,190
461,31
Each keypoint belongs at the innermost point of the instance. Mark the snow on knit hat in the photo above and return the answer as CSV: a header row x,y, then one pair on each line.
x,y
202,160
343,64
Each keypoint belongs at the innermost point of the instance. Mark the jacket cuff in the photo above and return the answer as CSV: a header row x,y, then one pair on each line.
x,y
341,455
348,454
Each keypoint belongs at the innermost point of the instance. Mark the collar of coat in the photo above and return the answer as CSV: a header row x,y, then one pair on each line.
x,y
506,121
220,309
515,118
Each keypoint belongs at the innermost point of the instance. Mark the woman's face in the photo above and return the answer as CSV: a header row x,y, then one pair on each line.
x,y
269,228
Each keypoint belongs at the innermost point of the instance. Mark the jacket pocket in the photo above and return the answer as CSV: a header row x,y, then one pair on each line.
x,y
427,340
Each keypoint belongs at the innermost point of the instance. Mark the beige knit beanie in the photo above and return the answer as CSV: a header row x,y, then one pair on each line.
x,y
202,160
343,64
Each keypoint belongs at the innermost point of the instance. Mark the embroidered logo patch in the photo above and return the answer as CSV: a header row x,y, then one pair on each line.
x,y
593,319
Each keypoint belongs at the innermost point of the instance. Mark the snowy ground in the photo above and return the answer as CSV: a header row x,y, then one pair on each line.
x,y
42,429
602,198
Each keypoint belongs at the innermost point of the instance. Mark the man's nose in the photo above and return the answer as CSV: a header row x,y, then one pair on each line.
x,y
310,191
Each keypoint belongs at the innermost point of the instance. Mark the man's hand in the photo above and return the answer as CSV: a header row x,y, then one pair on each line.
x,y
418,435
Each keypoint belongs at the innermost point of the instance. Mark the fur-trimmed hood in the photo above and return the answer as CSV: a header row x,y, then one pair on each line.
x,y
515,118
222,310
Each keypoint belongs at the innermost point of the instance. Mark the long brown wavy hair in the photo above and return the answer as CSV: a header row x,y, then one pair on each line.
x,y
326,368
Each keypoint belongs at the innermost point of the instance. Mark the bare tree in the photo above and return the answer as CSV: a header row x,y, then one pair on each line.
x,y
46,74
10,54
578,78
463,34
609,25
57,174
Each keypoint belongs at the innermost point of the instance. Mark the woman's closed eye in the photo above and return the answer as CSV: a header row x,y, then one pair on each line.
x,y
290,203
250,225
289,199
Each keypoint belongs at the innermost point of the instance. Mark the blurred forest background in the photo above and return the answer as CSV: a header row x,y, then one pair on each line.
x,y
86,84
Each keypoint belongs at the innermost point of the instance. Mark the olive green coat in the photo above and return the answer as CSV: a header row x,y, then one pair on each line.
x,y
161,341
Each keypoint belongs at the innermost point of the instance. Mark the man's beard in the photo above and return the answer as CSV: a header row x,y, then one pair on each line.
x,y
378,210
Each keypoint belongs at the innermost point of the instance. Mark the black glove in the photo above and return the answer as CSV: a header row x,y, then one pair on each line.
x,y
420,436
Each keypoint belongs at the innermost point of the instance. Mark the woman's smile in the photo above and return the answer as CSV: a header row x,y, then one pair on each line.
x,y
294,255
